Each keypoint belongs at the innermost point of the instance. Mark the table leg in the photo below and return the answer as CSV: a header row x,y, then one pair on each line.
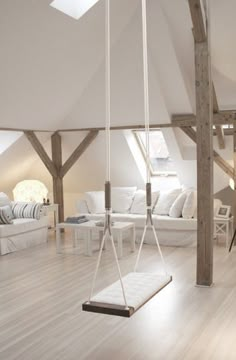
x,y
58,239
56,216
214,233
75,237
119,242
88,243
132,239
227,235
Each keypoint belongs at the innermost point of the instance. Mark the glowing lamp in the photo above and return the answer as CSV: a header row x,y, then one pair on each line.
x,y
231,183
30,191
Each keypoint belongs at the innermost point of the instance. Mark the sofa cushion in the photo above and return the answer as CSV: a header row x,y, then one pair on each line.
x,y
4,199
26,210
122,198
165,201
20,226
95,201
139,202
6,215
177,206
190,205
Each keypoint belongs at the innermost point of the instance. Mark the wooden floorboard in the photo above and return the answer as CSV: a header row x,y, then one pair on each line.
x,y
41,294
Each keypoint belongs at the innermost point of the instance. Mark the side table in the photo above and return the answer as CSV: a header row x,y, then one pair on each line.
x,y
52,208
224,227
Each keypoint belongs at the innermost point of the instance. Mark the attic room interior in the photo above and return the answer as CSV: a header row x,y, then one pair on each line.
x,y
118,169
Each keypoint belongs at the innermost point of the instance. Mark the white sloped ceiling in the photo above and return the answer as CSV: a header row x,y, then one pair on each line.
x,y
52,74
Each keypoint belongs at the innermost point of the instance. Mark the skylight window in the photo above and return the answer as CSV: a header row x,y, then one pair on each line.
x,y
73,8
160,160
7,138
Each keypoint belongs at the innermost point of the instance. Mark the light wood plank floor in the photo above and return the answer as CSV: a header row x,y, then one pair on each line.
x,y
41,319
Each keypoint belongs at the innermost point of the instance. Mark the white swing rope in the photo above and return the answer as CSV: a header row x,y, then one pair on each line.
x,y
147,133
107,227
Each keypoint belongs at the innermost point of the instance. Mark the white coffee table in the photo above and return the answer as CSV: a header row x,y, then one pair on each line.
x,y
89,227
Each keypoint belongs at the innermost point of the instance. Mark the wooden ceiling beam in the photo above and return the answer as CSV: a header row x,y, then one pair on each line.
x,y
221,118
225,117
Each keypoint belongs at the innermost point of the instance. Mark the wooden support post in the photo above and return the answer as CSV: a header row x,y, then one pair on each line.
x,y
204,114
204,165
200,35
234,197
58,195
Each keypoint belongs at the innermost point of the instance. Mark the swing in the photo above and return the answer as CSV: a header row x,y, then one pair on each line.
x,y
132,291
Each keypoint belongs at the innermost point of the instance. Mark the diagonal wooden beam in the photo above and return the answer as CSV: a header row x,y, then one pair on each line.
x,y
215,102
41,152
220,136
224,165
219,128
78,152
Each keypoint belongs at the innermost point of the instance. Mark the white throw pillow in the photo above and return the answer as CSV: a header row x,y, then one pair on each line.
x,y
139,203
95,201
190,205
122,198
217,204
26,210
81,206
4,200
165,201
177,206
6,215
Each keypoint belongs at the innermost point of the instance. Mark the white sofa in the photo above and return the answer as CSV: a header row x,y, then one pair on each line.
x,y
22,232
171,231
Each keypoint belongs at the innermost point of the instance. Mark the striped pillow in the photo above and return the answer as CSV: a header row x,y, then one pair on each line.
x,y
6,215
26,210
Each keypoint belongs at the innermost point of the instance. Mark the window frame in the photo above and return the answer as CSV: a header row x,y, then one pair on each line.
x,y
143,151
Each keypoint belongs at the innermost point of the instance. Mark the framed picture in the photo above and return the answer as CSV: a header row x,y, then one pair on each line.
x,y
223,211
